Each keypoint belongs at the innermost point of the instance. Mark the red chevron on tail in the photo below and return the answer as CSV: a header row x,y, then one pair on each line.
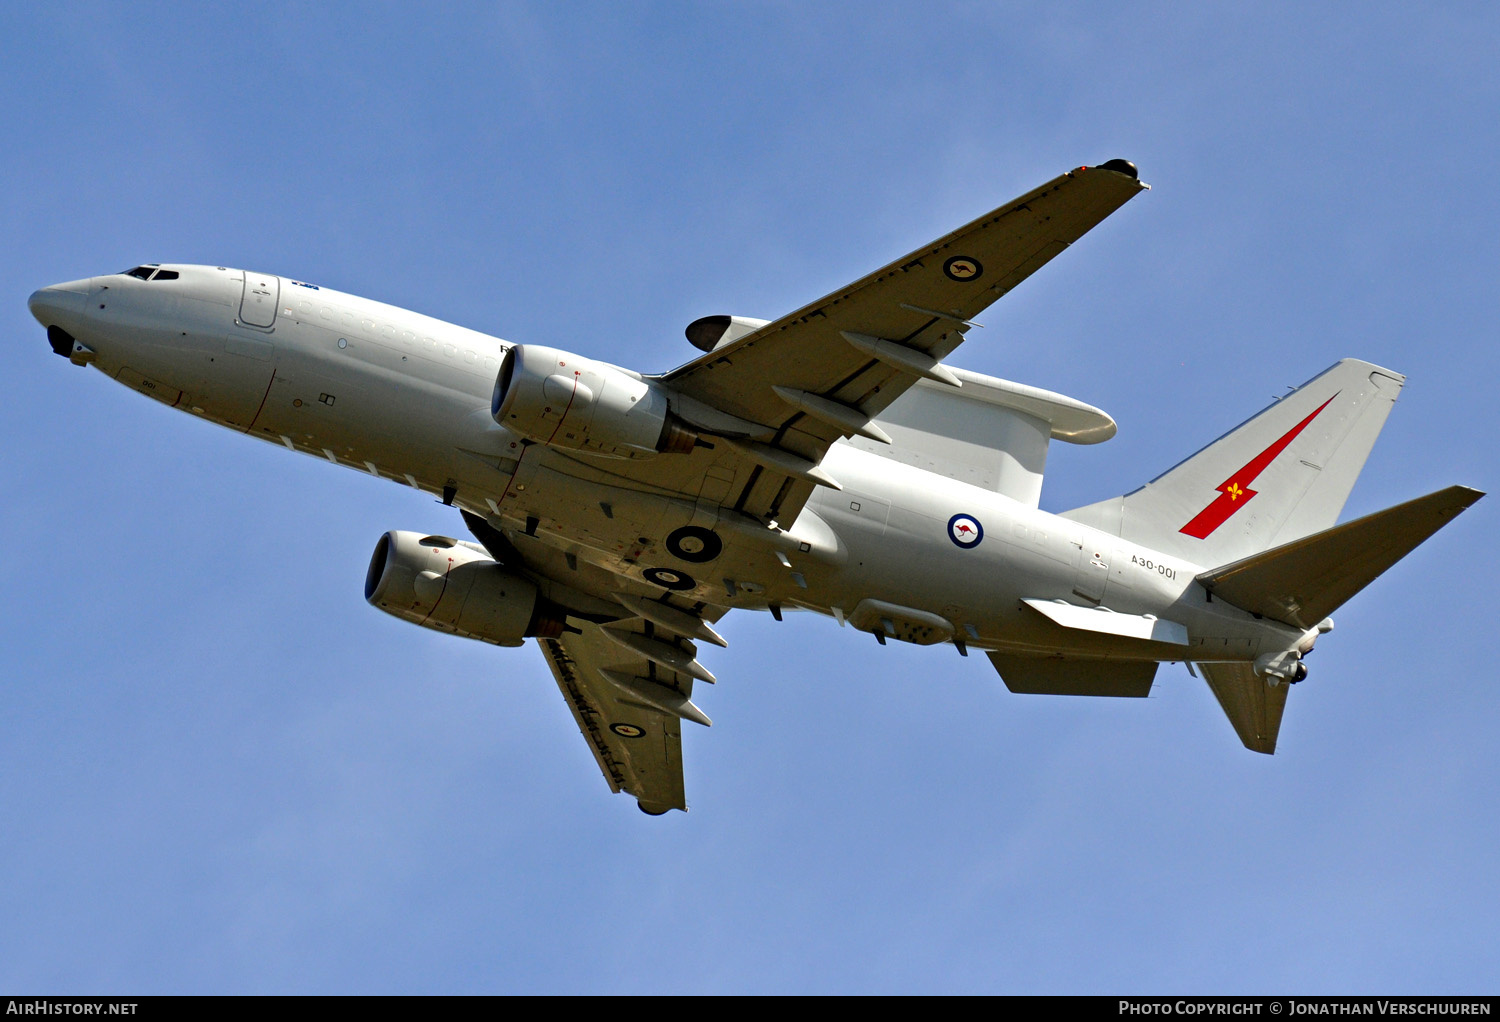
x,y
1235,492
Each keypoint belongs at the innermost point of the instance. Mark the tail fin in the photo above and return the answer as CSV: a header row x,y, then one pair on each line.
x,y
1282,475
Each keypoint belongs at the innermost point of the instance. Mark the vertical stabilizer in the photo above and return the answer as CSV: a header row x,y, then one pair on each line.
x,y
1282,475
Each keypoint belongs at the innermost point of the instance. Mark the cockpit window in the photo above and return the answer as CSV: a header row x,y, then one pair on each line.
x,y
145,273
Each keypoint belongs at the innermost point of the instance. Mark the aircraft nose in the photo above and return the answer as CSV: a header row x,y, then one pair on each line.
x,y
59,308
57,301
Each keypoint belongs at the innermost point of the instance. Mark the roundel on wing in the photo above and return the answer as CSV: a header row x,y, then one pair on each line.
x,y
962,268
965,531
669,578
694,544
627,730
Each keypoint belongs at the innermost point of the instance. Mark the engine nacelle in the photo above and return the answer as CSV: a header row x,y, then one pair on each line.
x,y
456,587
565,400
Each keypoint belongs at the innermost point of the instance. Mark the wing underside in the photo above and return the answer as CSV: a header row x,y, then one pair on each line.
x,y
625,664
637,747
816,375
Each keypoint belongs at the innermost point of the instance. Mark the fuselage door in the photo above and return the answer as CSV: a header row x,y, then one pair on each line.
x,y
1093,568
258,306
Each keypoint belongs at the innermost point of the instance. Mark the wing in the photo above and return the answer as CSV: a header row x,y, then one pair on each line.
x,y
770,404
621,703
824,371
626,668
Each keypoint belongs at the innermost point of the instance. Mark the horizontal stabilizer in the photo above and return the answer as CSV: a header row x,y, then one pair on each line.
x,y
1252,703
1304,581
1107,622
1056,676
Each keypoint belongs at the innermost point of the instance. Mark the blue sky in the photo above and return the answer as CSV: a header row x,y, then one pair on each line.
x,y
220,770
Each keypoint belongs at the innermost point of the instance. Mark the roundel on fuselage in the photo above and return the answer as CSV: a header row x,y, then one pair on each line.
x,y
965,531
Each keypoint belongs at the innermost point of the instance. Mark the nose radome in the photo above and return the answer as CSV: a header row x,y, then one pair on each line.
x,y
50,305
61,308
82,287
57,302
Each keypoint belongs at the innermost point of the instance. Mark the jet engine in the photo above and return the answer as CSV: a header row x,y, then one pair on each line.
x,y
565,400
456,587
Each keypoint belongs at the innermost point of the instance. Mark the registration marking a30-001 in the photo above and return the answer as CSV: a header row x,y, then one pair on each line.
x,y
1165,571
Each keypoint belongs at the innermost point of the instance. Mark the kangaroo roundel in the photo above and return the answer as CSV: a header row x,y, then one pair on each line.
x,y
965,530
962,268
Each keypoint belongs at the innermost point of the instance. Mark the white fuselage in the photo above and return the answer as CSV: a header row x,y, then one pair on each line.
x,y
406,397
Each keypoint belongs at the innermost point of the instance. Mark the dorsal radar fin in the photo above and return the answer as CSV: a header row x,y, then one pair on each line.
x,y
713,332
